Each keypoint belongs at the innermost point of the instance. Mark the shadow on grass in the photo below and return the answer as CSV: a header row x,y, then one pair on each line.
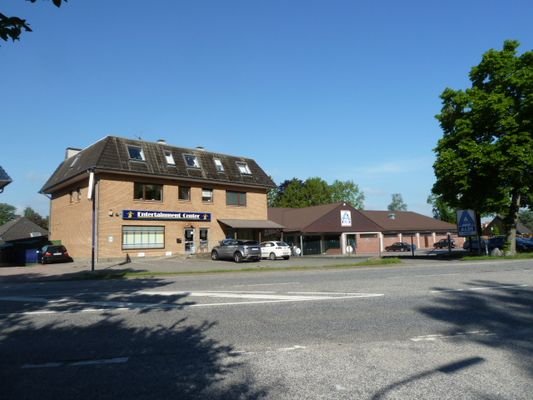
x,y
118,345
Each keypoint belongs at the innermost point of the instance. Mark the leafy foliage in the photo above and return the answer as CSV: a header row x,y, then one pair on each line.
x,y
35,217
295,193
485,157
441,210
397,203
12,27
7,213
526,217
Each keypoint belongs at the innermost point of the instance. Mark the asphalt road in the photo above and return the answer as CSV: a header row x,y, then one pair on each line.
x,y
446,330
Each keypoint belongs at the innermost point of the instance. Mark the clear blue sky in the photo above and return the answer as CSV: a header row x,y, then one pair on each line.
x,y
337,89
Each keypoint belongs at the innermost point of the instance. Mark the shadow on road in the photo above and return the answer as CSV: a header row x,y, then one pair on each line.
x,y
63,350
503,311
447,369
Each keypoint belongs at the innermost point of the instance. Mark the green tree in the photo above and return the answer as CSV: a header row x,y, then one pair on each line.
x,y
12,27
347,191
7,213
316,192
35,217
526,217
295,193
441,210
397,203
485,157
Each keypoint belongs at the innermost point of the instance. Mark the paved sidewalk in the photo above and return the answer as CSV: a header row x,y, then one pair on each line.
x,y
80,270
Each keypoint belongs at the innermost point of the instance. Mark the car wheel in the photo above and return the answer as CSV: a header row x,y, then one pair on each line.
x,y
214,255
237,257
272,256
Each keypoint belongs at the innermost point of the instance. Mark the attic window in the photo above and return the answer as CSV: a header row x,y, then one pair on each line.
x,y
169,157
243,168
218,165
136,153
191,161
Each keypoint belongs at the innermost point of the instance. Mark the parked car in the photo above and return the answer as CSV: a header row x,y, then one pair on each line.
x,y
444,244
52,253
473,244
522,244
275,249
237,250
400,246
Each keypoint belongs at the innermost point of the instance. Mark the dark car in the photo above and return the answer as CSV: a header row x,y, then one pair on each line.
x,y
444,244
52,253
522,244
400,246
237,250
473,244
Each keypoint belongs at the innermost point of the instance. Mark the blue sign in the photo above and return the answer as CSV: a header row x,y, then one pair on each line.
x,y
147,215
466,223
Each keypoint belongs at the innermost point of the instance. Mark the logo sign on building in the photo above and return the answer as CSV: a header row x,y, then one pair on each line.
x,y
146,215
466,223
346,218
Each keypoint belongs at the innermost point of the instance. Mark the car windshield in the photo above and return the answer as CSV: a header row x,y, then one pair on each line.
x,y
251,243
281,244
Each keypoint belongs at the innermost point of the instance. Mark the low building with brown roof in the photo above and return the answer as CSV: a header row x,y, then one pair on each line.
x,y
338,228
125,198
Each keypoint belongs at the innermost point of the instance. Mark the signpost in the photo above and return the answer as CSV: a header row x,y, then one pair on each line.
x,y
466,223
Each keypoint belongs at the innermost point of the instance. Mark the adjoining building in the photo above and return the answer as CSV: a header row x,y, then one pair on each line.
x,y
339,228
20,239
132,198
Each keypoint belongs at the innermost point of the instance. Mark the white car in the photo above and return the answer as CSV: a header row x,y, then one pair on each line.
x,y
274,249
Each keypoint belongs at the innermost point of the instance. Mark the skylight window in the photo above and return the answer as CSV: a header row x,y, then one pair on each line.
x,y
243,168
191,161
169,157
218,165
136,153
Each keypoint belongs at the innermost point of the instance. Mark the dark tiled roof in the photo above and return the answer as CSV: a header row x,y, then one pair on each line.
x,y
4,178
408,221
323,218
20,228
111,155
326,218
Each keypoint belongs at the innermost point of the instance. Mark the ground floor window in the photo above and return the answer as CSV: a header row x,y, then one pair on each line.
x,y
143,237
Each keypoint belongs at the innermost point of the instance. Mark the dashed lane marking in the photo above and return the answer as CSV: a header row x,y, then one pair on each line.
x,y
479,288
434,337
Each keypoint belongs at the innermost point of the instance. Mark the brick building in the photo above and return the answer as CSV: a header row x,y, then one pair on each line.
x,y
121,197
331,228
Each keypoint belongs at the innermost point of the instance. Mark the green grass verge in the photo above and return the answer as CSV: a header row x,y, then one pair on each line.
x,y
128,273
518,256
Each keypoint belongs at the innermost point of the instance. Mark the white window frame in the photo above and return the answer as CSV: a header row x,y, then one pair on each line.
x,y
143,237
218,165
207,195
196,163
139,151
169,157
243,168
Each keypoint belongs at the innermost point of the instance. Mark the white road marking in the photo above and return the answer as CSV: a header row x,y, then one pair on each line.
x,y
479,288
252,297
295,347
432,338
118,360
267,284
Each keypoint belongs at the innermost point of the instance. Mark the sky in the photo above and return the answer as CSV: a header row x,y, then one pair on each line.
x,y
336,89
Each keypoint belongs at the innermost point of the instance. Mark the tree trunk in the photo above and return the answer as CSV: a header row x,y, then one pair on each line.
x,y
510,222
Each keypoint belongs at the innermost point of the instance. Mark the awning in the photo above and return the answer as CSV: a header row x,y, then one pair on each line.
x,y
251,223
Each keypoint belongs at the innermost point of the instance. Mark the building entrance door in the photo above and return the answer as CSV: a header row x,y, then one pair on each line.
x,y
189,241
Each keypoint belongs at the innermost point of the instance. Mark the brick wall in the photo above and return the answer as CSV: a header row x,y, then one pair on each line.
x,y
71,222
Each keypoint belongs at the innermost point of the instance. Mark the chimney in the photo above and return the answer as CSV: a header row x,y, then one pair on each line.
x,y
71,152
200,148
161,141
